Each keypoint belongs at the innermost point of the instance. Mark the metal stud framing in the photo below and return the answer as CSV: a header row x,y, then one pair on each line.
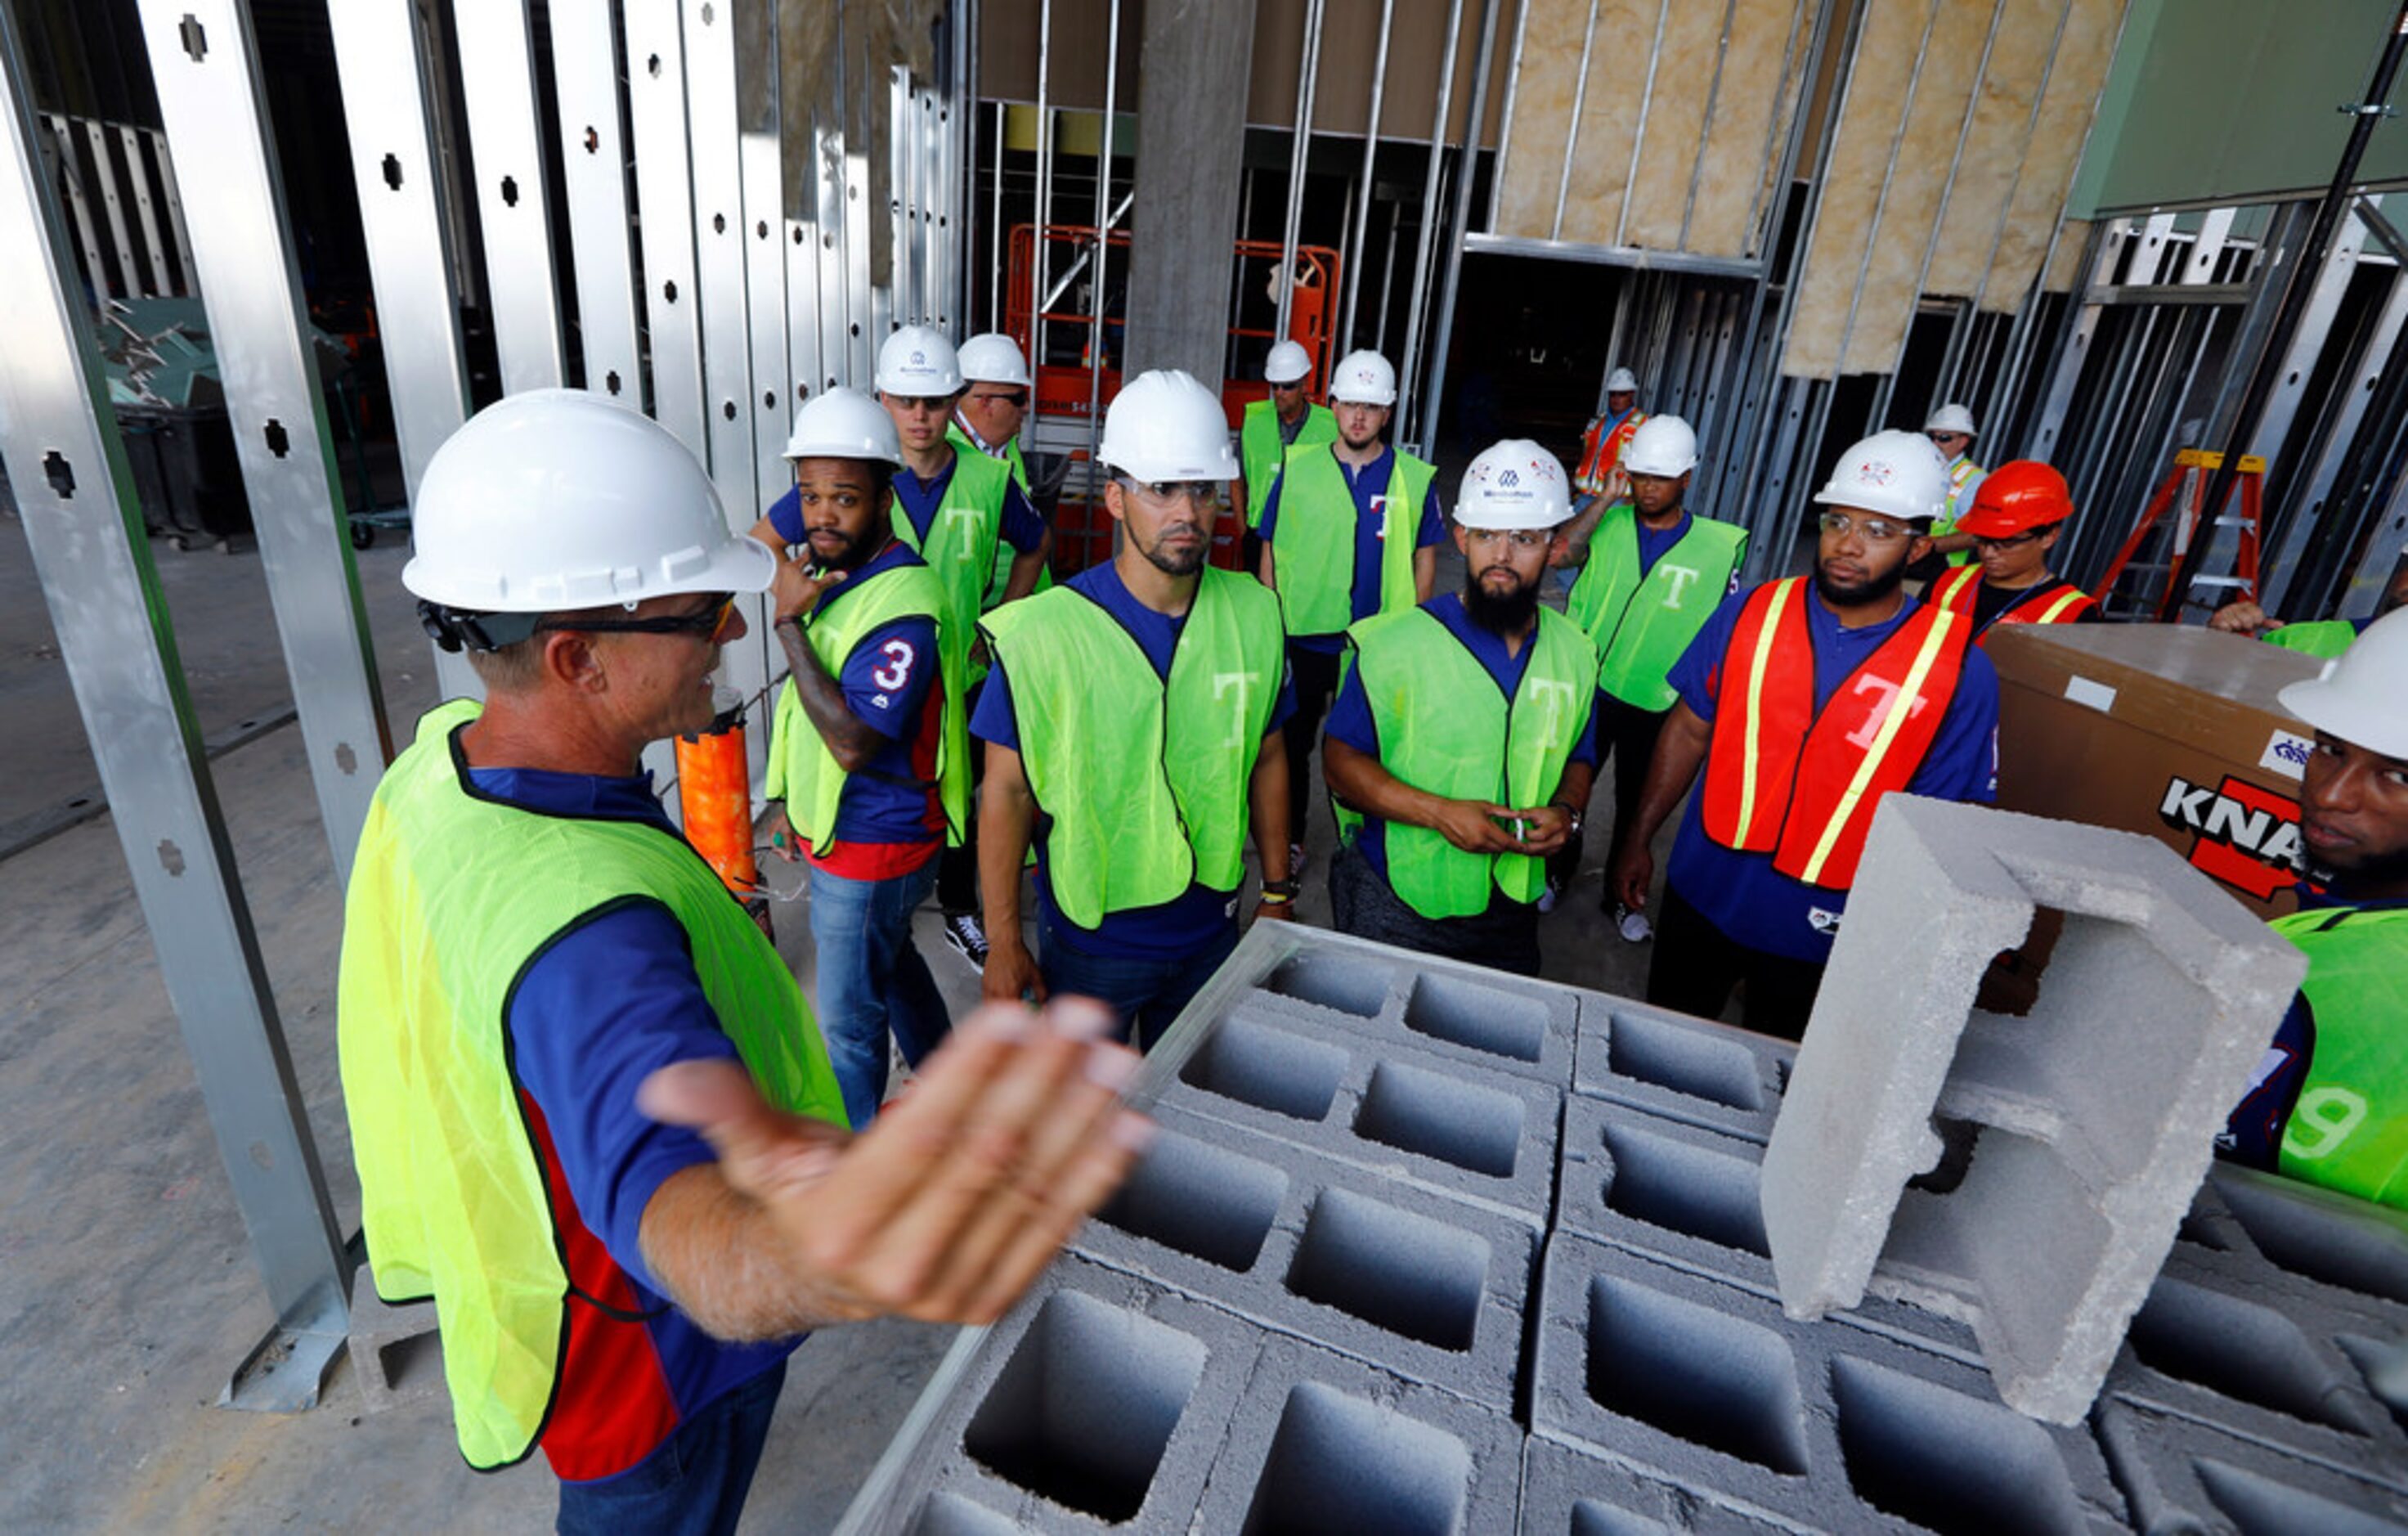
x,y
593,165
497,79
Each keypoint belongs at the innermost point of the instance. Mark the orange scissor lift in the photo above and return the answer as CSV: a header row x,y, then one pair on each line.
x,y
1059,420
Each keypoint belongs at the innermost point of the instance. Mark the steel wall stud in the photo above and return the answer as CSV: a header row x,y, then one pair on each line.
x,y
593,166
665,203
497,79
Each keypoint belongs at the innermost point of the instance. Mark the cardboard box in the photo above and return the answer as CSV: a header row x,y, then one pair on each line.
x,y
2163,730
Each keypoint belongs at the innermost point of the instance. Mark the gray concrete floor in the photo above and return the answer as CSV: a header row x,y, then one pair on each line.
x,y
127,1291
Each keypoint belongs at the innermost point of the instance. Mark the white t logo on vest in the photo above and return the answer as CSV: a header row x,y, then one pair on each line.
x,y
1680,577
1554,698
1244,682
959,514
1864,735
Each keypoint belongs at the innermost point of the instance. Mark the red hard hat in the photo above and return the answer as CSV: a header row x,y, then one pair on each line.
x,y
2017,497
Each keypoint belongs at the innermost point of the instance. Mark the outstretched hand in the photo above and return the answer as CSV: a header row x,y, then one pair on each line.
x,y
944,1209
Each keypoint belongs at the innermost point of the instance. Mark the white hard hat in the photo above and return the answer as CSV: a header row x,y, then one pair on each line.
x,y
2358,695
1662,445
1897,474
1952,417
1166,426
1622,382
1365,378
993,358
1514,485
918,363
844,423
555,498
1287,363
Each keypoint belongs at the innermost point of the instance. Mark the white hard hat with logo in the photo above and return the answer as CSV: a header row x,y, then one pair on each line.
x,y
1364,379
2359,696
1288,363
844,423
1166,426
555,498
1895,474
1513,485
1952,417
993,358
918,363
1662,445
1622,382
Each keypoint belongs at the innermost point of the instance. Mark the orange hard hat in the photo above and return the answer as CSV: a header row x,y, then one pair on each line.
x,y
2017,497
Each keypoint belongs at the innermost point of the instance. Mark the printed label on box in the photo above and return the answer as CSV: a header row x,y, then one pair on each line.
x,y
2286,754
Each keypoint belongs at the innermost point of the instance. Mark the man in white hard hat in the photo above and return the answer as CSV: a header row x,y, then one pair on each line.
x,y
1952,431
869,759
1351,529
1651,574
1270,427
1460,750
957,510
1131,724
590,1112
1805,700
2330,1102
987,418
1607,434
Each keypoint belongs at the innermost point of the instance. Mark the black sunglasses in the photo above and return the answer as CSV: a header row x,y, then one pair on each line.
x,y
706,623
1016,397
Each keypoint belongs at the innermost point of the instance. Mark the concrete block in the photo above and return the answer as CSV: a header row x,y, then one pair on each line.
x,y
2080,1131
1688,1195
1100,1402
396,1353
1429,1287
1445,1125
1573,1491
2182,1476
1686,1069
1822,1424
1324,1444
1462,1012
2315,1234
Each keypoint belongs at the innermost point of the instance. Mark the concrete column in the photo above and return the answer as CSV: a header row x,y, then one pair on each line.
x,y
1191,142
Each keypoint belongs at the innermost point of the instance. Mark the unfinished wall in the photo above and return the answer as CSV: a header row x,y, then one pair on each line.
x,y
2083,51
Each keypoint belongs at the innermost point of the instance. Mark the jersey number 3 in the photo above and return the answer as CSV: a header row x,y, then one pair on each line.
x,y
897,671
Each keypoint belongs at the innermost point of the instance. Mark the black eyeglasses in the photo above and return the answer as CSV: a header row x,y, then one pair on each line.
x,y
1014,397
708,623
2011,541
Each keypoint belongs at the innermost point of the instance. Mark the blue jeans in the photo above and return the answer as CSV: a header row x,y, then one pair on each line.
x,y
1146,994
693,1483
872,980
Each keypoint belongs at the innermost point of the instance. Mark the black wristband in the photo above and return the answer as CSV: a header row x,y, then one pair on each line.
x,y
1280,888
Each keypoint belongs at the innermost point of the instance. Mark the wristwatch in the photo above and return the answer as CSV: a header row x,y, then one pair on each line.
x,y
1568,810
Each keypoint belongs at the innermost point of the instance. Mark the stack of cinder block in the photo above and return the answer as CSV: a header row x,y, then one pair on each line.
x,y
1421,1248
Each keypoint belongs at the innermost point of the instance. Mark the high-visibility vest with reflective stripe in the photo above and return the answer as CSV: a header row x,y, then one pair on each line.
x,y
452,895
961,548
1781,778
1641,625
1447,729
1957,590
1961,473
1260,450
801,770
1602,450
1313,549
1143,779
2350,1130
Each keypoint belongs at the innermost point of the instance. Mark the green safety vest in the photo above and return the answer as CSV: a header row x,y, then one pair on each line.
x,y
802,772
2324,637
1641,625
1144,779
1313,549
1260,450
1960,474
2349,1130
1447,729
963,539
451,896
1004,553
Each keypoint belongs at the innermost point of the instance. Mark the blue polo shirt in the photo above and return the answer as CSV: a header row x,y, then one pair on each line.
x,y
1653,543
1369,486
1351,720
602,1007
1188,923
1742,893
1021,529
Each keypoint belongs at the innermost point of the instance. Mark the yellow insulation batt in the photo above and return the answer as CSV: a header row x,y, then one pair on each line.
x,y
1669,142
2084,51
1609,118
1548,76
1994,149
1743,141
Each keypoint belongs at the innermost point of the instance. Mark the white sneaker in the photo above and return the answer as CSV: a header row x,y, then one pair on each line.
x,y
1633,926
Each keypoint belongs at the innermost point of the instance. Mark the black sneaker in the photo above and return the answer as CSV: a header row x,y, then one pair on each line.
x,y
967,935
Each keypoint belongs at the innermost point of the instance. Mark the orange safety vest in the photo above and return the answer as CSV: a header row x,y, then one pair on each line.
x,y
1955,591
1781,778
1602,450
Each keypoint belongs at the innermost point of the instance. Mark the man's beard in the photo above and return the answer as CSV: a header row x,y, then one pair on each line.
x,y
1872,589
859,549
1177,562
1500,614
